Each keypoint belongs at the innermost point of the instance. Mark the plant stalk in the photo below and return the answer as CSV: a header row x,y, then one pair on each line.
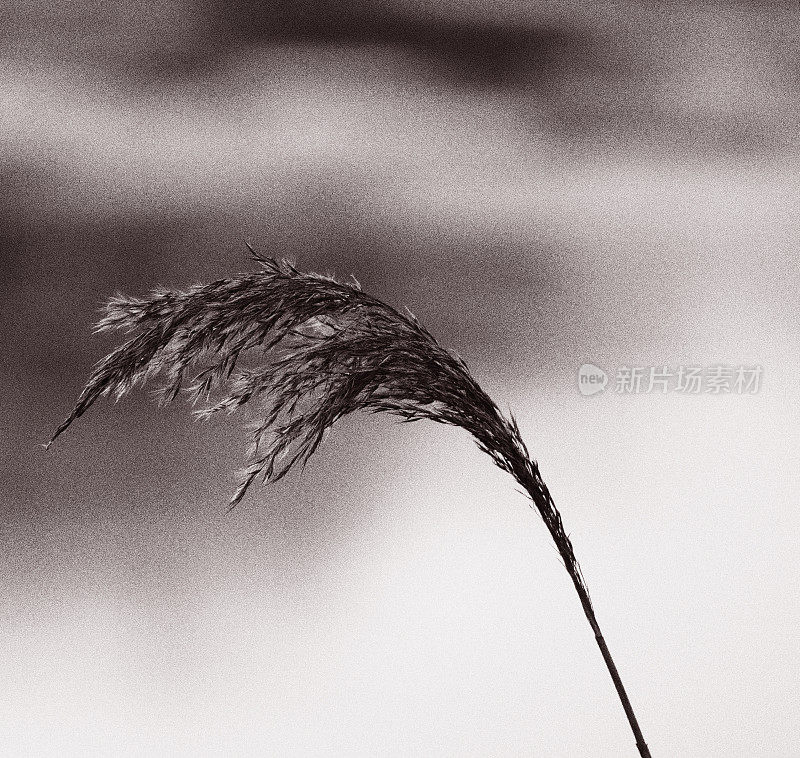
x,y
644,751
544,503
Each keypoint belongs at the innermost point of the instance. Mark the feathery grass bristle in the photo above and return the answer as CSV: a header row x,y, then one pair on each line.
x,y
325,349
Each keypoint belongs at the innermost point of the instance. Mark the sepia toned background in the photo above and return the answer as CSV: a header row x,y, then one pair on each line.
x,y
544,184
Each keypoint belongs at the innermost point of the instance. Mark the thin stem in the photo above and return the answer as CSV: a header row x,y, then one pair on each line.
x,y
544,504
644,751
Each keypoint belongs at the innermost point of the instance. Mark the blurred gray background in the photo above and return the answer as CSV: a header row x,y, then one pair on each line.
x,y
545,184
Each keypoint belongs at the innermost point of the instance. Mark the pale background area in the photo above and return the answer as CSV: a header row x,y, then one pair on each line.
x,y
544,185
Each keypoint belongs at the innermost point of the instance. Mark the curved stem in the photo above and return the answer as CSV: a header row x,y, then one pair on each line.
x,y
644,751
532,481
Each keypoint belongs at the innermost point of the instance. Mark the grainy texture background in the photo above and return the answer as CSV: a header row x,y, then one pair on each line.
x,y
544,185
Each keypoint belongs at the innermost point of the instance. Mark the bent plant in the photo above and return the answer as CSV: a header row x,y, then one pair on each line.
x,y
325,349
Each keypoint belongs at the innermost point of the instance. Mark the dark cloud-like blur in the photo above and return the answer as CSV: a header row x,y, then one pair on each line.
x,y
544,185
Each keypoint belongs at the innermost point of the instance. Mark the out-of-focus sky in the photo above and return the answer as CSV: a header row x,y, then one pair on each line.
x,y
544,185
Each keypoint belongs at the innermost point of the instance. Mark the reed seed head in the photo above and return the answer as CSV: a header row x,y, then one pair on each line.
x,y
322,349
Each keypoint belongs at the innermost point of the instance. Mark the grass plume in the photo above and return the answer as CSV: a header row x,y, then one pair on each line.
x,y
324,349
